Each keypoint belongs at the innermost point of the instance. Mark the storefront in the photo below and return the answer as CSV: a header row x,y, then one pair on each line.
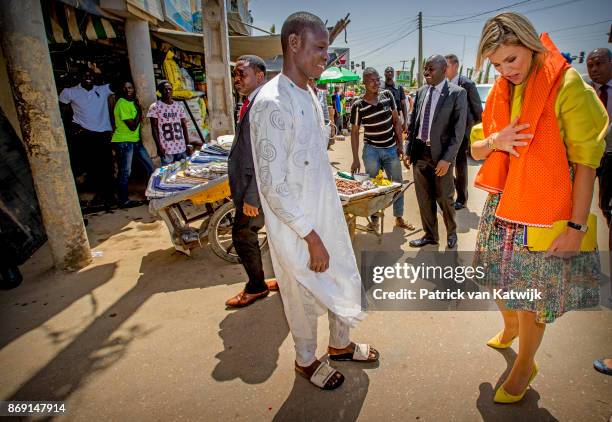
x,y
80,39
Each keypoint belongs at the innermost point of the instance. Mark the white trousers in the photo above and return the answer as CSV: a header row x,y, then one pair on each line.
x,y
306,348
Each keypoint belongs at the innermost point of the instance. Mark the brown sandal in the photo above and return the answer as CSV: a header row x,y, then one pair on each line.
x,y
325,377
362,353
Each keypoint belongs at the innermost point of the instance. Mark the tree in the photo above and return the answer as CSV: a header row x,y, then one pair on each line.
x,y
273,29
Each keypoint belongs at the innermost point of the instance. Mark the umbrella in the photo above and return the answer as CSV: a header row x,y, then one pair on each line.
x,y
337,75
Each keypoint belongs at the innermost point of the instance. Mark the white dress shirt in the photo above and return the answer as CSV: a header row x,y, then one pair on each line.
x,y
435,91
253,94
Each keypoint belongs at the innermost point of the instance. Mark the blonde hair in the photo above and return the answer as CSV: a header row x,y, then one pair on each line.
x,y
508,28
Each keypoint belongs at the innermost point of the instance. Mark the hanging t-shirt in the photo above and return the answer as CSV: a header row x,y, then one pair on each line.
x,y
125,110
169,125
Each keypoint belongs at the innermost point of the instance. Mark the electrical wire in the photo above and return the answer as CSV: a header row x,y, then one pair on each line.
x,y
579,26
382,47
479,14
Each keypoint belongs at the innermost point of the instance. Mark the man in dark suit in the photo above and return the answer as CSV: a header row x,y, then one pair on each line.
x,y
437,127
599,67
474,115
249,77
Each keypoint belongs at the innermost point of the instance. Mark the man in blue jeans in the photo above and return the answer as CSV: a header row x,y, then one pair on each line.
x,y
127,141
382,150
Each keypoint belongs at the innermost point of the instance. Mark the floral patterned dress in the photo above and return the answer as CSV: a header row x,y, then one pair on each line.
x,y
501,249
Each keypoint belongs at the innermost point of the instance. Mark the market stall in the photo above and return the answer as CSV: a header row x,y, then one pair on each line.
x,y
193,199
367,197
185,71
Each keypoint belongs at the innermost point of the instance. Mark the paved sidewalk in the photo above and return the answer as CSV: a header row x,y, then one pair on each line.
x,y
143,334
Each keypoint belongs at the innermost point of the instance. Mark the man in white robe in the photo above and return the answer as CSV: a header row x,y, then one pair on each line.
x,y
304,217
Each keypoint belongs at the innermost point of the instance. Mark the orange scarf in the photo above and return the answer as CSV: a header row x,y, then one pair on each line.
x,y
536,187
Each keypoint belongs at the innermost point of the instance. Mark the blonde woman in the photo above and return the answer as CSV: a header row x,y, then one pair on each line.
x,y
541,140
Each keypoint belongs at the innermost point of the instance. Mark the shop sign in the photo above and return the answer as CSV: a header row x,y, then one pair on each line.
x,y
179,13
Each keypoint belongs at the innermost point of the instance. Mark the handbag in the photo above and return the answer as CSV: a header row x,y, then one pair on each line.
x,y
539,239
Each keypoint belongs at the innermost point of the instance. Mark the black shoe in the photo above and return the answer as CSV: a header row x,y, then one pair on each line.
x,y
130,204
459,205
452,241
418,243
10,278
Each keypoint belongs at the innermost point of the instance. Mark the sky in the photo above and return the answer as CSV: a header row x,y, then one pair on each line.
x,y
383,33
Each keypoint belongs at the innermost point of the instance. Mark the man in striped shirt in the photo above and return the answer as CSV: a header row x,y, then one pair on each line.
x,y
382,150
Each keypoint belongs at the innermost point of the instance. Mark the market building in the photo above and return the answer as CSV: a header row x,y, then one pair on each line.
x,y
44,42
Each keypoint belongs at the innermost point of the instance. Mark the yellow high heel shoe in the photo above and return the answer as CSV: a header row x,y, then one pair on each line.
x,y
502,396
495,341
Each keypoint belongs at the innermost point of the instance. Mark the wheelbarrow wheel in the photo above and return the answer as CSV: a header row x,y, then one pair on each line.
x,y
220,233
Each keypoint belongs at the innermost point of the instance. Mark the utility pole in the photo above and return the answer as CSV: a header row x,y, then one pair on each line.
x,y
403,64
420,73
31,77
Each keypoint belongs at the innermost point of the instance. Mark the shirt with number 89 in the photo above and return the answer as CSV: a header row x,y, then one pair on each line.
x,y
169,125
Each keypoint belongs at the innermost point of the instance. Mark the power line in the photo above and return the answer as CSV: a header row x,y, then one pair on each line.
x,y
379,49
565,3
366,28
478,14
579,26
383,33
455,35
403,35
465,14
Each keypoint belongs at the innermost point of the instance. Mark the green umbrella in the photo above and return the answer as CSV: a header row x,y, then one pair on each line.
x,y
337,75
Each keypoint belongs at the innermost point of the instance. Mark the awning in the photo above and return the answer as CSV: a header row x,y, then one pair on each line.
x,y
265,47
337,75
65,24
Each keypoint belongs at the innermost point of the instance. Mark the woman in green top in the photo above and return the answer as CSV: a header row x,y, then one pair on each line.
x,y
126,140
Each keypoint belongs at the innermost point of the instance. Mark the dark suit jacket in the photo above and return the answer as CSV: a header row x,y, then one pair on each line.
x,y
240,167
474,114
447,127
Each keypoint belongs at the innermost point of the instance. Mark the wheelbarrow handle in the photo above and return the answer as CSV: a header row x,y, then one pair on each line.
x,y
405,185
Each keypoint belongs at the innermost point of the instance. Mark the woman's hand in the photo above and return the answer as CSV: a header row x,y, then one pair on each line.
x,y
566,245
509,137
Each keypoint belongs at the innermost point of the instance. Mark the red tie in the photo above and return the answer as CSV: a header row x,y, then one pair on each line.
x,y
603,95
243,109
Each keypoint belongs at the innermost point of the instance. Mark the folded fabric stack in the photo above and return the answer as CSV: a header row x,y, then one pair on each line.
x,y
161,185
215,150
211,170
201,168
201,158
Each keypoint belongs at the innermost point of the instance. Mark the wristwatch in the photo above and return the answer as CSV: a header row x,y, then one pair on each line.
x,y
490,144
580,227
